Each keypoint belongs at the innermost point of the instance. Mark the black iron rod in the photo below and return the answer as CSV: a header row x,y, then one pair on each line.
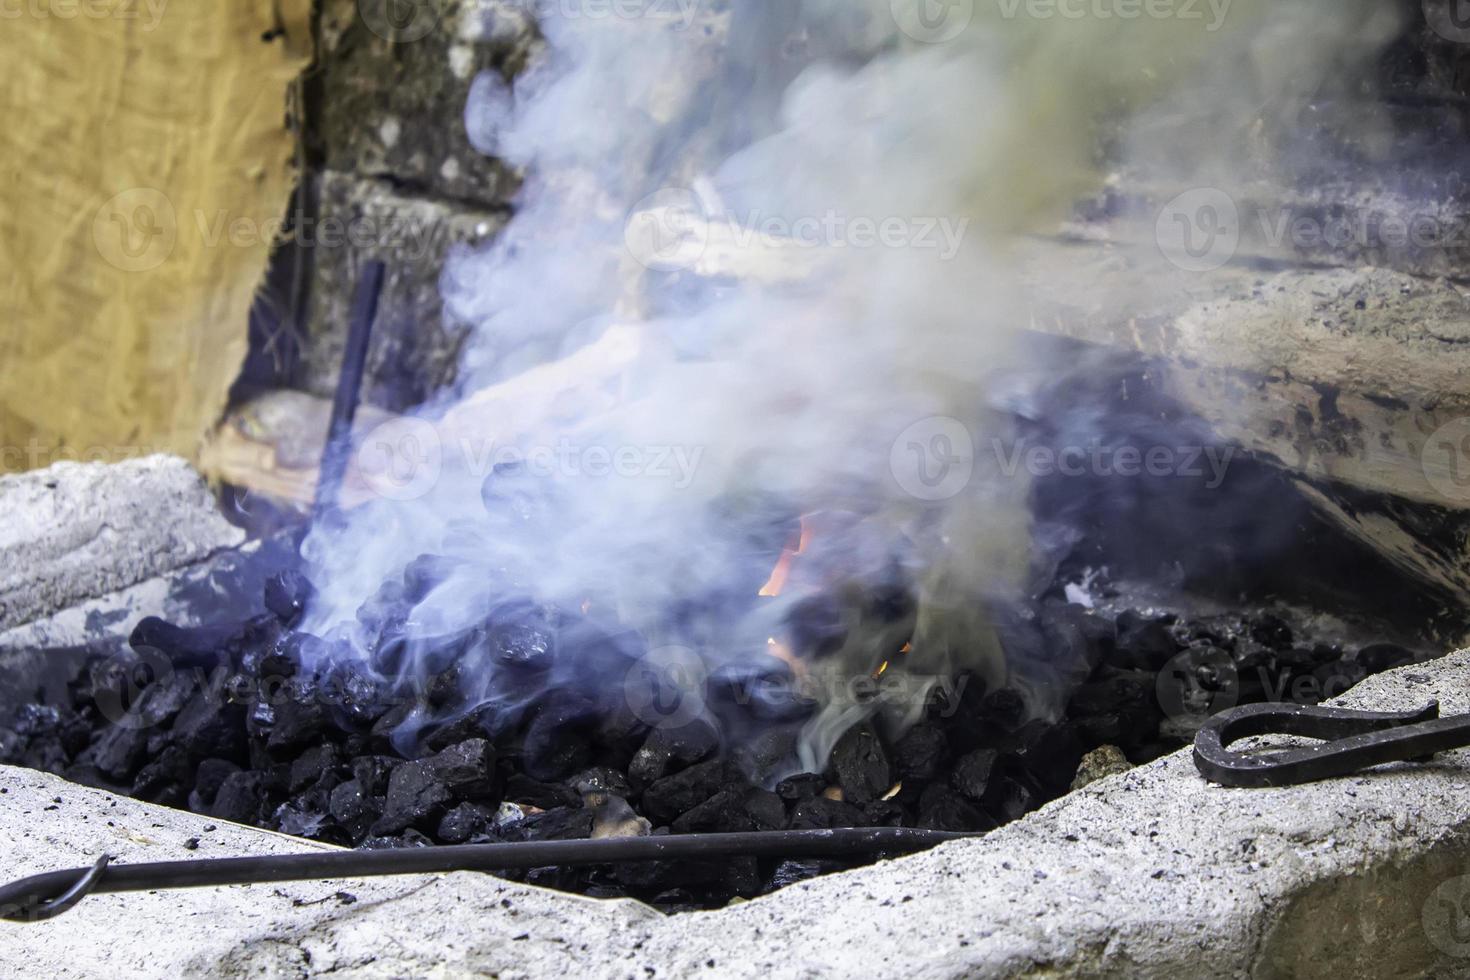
x,y
349,385
36,898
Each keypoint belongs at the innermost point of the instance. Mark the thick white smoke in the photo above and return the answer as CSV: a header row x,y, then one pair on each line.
x,y
787,232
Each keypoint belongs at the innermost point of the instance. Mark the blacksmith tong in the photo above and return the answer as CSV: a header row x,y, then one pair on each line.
x,y
1352,741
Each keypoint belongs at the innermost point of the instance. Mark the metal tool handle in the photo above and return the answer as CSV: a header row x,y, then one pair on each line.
x,y
1354,740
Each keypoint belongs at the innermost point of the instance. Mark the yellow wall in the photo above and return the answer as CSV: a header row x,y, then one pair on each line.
x,y
131,128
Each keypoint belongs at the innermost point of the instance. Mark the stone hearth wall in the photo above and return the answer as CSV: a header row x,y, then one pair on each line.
x,y
394,178
389,161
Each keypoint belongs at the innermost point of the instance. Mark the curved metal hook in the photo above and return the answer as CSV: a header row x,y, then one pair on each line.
x,y
36,899
1353,741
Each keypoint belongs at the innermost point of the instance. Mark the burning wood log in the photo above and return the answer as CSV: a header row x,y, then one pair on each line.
x,y
273,444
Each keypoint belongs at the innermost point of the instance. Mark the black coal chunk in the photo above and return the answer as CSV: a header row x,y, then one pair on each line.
x,y
300,818
671,750
762,690
941,808
354,808
558,740
1050,754
241,798
419,792
212,726
801,787
202,646
388,724
287,594
464,822
921,753
415,797
520,788
793,872
1271,630
1074,636
1379,657
407,839
563,823
1012,796
155,705
476,724
769,753
300,721
525,643
164,777
208,778
673,796
119,752
972,774
359,699
313,765
820,813
1004,708
734,811
468,769
1143,643
861,765
421,575
602,780
373,771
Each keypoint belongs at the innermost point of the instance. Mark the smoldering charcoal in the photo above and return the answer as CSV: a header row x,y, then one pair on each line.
x,y
241,726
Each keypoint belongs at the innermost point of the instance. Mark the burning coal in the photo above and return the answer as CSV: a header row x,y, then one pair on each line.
x,y
753,314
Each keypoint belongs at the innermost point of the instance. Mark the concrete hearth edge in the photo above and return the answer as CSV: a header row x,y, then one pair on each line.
x,y
74,531
1153,873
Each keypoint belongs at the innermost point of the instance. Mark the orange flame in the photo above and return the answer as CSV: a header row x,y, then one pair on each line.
x,y
779,575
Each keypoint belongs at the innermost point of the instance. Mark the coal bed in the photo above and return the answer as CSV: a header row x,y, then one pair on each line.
x,y
229,721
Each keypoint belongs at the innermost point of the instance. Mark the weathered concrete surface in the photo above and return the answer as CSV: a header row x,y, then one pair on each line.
x,y
1151,874
44,654
211,932
74,531
1356,380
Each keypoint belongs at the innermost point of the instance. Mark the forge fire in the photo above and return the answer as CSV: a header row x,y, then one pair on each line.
x,y
829,487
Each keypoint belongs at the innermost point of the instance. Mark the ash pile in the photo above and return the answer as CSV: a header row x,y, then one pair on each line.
x,y
256,723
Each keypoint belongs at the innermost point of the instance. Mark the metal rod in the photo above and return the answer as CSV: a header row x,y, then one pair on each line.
x,y
47,895
349,385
